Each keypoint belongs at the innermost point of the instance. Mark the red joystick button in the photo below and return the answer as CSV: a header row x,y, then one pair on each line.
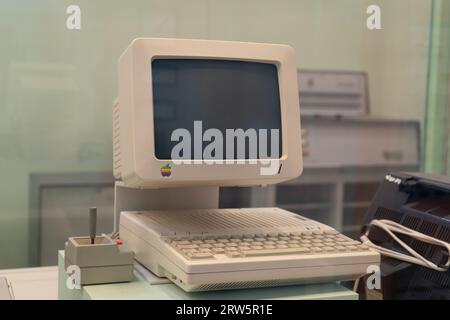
x,y
119,242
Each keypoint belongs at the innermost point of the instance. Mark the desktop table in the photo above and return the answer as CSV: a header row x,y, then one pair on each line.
x,y
140,288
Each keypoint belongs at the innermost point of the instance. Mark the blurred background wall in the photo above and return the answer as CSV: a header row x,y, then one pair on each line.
x,y
57,85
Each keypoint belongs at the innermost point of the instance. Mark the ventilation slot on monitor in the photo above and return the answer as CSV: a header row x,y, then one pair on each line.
x,y
444,234
117,166
420,247
411,222
431,252
427,278
388,214
428,228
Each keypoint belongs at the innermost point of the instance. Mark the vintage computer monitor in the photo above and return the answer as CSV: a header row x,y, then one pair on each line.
x,y
177,97
167,84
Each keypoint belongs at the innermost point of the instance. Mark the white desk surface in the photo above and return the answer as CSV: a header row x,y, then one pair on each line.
x,y
42,284
33,283
140,289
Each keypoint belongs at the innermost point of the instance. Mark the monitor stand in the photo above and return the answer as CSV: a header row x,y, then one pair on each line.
x,y
134,199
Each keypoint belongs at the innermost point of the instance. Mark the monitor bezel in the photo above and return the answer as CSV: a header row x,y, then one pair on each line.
x,y
140,165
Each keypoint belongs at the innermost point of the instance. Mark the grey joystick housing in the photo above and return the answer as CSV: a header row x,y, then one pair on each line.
x,y
100,259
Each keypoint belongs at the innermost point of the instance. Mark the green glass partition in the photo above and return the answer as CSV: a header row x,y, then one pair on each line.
x,y
58,83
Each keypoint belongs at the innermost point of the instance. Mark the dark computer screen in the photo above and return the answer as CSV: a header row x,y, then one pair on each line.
x,y
222,94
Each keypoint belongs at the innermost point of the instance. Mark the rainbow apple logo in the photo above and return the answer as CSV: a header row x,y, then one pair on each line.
x,y
165,170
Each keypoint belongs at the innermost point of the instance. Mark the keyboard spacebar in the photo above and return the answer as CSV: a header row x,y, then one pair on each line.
x,y
272,252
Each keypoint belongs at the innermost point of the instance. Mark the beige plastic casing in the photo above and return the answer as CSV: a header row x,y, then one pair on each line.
x,y
145,233
135,162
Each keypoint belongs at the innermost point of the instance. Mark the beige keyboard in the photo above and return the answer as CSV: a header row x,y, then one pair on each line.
x,y
251,245
215,249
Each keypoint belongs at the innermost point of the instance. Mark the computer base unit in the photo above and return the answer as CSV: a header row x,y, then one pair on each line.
x,y
215,249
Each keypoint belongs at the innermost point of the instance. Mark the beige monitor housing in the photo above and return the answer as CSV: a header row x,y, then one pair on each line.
x,y
135,162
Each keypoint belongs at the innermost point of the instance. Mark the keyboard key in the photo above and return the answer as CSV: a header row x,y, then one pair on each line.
x,y
282,246
317,232
232,244
222,240
218,245
231,249
272,238
244,248
268,247
210,241
186,251
218,250
205,245
281,242
293,245
233,254
350,243
306,233
201,255
257,247
187,246
332,232
352,248
257,243
197,242
260,239
235,240
285,238
204,250
318,245
182,242
269,243
271,252
248,239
